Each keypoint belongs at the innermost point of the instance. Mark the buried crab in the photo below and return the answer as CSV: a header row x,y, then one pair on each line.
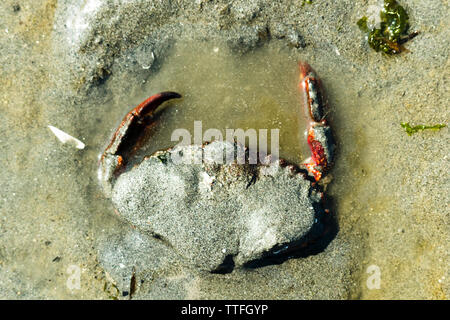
x,y
219,215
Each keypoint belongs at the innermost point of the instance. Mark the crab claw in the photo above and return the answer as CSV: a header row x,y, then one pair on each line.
x,y
126,137
319,138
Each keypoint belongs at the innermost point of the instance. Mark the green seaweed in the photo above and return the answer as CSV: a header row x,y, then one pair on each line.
x,y
307,2
393,30
411,130
163,157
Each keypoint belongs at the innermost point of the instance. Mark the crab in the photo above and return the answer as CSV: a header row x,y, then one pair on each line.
x,y
215,215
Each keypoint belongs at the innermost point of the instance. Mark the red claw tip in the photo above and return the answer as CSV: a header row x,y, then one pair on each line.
x,y
305,68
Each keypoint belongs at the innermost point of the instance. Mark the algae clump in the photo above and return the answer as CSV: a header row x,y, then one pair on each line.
x,y
392,31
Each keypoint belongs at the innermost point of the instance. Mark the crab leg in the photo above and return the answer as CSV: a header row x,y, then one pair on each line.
x,y
126,136
319,138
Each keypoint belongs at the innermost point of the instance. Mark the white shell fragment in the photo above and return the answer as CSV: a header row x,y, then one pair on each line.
x,y
64,137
